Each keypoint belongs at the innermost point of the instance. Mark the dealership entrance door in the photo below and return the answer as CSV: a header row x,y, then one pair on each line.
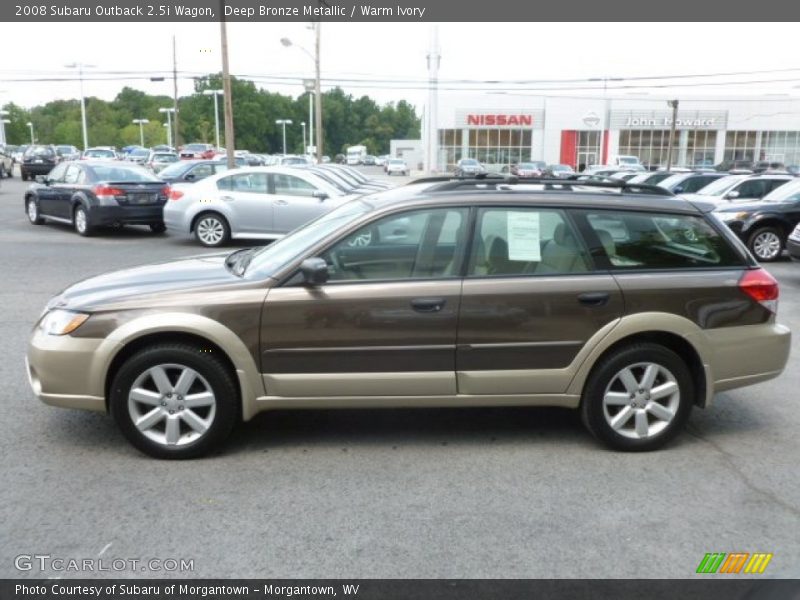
x,y
586,159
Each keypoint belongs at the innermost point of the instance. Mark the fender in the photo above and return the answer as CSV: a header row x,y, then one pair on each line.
x,y
246,370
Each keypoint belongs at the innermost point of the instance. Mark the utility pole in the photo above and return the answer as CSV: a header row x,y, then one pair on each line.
x,y
673,104
177,136
432,127
230,143
318,94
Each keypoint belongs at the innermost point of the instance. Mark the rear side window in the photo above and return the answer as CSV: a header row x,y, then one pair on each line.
x,y
644,240
694,184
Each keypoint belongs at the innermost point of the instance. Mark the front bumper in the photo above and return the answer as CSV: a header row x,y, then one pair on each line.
x,y
61,371
131,215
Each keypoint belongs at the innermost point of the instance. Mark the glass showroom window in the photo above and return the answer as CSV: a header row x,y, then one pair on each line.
x,y
449,147
740,145
501,147
780,146
700,148
650,145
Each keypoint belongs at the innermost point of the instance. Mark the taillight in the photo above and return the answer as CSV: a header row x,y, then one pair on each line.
x,y
761,287
175,194
165,190
107,191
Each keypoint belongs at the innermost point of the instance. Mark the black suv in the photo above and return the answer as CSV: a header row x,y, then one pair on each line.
x,y
37,160
765,225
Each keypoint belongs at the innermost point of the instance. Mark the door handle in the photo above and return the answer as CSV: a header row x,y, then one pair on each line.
x,y
428,305
227,198
281,202
594,298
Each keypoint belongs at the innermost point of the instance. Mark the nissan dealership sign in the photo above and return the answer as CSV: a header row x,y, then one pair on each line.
x,y
657,119
506,118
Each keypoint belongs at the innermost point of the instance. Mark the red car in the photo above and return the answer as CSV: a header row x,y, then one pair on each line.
x,y
191,151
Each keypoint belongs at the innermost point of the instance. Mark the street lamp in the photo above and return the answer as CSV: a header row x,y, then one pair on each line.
x,y
673,104
216,94
303,125
604,122
3,121
284,123
33,139
141,123
168,111
316,87
81,67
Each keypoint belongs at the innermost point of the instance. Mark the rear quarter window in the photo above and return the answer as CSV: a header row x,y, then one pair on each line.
x,y
633,240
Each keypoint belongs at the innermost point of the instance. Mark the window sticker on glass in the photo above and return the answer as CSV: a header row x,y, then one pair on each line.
x,y
524,236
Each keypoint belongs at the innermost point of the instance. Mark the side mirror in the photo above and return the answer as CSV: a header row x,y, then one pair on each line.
x,y
43,179
678,189
190,177
319,194
314,271
732,195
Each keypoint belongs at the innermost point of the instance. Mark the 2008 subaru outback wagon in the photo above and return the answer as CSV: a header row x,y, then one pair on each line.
x,y
623,302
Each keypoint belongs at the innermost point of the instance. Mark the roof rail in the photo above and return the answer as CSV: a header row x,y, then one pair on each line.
x,y
447,184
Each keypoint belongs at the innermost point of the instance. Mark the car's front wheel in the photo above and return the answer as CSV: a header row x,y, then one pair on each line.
x,y
766,244
174,400
32,209
212,230
638,397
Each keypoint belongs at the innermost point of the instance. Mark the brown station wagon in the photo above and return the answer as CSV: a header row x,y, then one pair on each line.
x,y
621,301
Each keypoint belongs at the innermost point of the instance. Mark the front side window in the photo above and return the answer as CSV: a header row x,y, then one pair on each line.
x,y
289,185
423,244
57,174
638,240
73,174
525,241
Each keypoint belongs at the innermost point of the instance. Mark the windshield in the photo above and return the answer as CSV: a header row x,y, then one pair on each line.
x,y
195,147
177,168
167,157
721,185
470,162
39,151
788,192
528,166
119,173
140,152
64,149
396,161
99,154
628,160
268,261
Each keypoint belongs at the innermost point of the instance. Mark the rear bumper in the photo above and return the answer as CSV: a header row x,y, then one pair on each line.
x,y
793,248
36,169
132,215
747,355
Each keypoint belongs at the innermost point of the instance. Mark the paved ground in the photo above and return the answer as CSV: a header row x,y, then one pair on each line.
x,y
415,493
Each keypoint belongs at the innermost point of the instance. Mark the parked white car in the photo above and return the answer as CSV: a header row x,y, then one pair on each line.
x,y
396,166
250,202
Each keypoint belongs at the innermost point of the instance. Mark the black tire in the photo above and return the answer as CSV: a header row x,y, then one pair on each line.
x,y
766,252
210,366
23,175
204,221
32,210
158,227
3,173
593,411
80,220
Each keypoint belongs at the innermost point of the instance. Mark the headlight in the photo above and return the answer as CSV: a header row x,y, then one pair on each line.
x,y
62,322
732,216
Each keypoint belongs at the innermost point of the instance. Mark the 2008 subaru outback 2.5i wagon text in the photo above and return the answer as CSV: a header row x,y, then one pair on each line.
x,y
618,300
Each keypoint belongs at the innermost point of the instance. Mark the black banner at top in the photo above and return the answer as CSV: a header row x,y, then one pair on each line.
x,y
150,11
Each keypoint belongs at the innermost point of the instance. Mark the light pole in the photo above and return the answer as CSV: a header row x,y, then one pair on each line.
x,y
168,111
673,104
81,67
316,87
141,123
303,125
604,121
284,123
3,121
33,139
216,94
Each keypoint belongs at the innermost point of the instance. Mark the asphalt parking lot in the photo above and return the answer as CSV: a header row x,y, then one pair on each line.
x,y
461,493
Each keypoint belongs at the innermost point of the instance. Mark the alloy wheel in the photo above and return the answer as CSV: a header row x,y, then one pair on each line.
x,y
767,245
172,404
80,220
210,231
641,400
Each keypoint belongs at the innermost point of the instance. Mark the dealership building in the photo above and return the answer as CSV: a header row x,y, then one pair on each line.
x,y
500,129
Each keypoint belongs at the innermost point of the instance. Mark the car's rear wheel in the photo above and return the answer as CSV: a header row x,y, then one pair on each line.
x,y
638,397
32,208
174,401
23,175
81,222
212,230
766,244
3,172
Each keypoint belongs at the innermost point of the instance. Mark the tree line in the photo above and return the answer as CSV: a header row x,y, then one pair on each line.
x,y
346,120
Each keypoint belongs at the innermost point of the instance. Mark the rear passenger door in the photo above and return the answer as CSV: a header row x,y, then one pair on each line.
x,y
245,195
530,302
294,202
